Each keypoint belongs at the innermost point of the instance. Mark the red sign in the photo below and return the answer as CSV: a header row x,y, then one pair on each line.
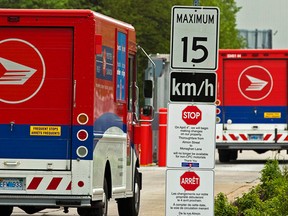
x,y
190,181
191,115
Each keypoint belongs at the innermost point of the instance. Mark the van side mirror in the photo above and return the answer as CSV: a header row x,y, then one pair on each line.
x,y
147,110
148,88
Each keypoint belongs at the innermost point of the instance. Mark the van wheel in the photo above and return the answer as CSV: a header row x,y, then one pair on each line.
x,y
6,210
84,211
130,206
99,208
103,210
233,154
224,155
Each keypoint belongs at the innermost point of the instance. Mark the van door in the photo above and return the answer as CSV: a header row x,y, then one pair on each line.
x,y
255,93
35,97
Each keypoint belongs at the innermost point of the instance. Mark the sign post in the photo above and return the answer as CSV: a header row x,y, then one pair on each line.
x,y
196,2
191,126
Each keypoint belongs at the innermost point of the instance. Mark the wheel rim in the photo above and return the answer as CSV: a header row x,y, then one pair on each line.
x,y
137,196
105,204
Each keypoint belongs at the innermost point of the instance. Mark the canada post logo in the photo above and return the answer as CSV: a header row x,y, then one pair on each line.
x,y
22,71
255,83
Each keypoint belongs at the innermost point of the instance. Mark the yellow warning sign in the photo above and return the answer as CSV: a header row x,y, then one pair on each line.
x,y
45,131
272,115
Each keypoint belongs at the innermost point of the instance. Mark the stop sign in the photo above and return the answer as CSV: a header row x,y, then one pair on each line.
x,y
191,115
190,181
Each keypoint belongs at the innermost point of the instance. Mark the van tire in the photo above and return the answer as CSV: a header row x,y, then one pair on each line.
x,y
6,210
130,206
233,154
103,209
98,208
224,155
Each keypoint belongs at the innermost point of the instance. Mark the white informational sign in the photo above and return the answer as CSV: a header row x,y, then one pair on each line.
x,y
191,136
189,192
194,38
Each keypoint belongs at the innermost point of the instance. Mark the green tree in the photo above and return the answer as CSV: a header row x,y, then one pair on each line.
x,y
229,36
152,21
151,18
49,4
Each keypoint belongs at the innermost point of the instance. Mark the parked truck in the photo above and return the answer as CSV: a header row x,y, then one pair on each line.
x,y
69,115
252,102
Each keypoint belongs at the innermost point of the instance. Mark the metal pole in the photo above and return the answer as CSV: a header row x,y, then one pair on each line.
x,y
196,2
256,39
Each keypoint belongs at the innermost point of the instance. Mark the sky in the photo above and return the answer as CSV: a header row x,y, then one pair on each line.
x,y
265,15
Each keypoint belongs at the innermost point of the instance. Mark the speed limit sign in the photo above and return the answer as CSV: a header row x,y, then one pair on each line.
x,y
194,38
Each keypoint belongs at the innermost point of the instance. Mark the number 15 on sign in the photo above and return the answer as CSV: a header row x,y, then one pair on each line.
x,y
194,38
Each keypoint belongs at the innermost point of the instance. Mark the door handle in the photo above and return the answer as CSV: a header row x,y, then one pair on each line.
x,y
11,163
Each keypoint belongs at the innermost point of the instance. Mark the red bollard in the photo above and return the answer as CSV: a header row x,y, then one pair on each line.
x,y
146,141
162,137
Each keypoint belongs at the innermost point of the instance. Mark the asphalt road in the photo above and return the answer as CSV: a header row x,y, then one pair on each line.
x,y
233,179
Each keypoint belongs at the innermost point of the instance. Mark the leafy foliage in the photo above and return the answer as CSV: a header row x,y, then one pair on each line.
x,y
270,197
223,207
151,20
51,4
229,35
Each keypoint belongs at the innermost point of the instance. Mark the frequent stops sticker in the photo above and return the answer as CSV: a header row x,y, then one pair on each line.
x,y
45,131
22,70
